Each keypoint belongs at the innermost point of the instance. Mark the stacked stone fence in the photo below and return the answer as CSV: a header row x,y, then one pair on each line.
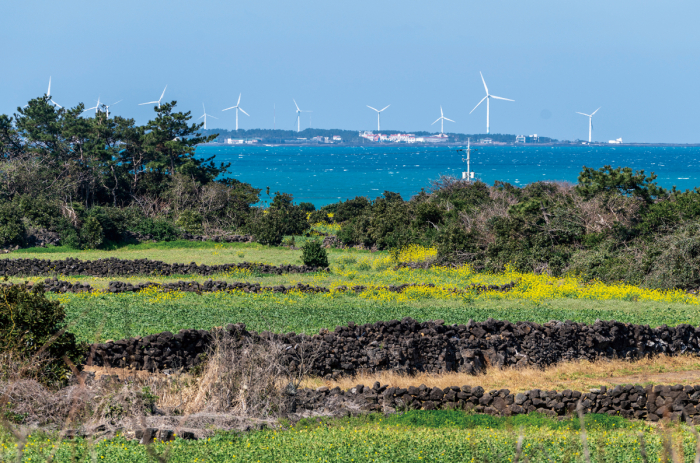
x,y
409,346
125,267
55,285
647,403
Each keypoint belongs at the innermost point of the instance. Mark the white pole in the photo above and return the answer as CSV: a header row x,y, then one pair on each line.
x,y
379,125
590,127
442,125
488,99
236,118
469,152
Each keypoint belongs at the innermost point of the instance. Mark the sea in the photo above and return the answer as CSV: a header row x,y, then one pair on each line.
x,y
326,174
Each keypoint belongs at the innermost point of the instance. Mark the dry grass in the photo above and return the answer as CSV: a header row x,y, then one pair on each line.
x,y
580,376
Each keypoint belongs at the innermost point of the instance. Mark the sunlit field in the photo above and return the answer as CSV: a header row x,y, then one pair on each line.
x,y
442,436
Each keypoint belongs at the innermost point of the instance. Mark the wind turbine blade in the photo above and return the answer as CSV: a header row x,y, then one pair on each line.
x,y
448,119
239,99
205,109
295,104
48,93
212,116
385,107
499,98
482,79
163,94
232,107
438,119
57,104
595,111
150,102
441,113
241,109
587,115
115,103
201,116
477,105
373,108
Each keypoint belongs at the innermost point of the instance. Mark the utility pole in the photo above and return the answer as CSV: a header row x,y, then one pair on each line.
x,y
468,175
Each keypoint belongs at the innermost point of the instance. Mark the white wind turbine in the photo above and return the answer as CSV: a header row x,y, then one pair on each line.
x,y
488,99
109,106
237,108
205,117
379,112
442,120
299,111
96,107
159,99
590,122
48,93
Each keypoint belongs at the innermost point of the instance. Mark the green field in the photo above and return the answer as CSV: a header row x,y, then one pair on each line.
x,y
100,316
441,436
105,316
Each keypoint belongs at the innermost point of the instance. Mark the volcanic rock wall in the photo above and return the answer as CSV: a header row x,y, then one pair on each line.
x,y
123,267
410,346
650,402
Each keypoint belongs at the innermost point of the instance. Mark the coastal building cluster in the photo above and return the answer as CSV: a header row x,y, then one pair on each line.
x,y
403,138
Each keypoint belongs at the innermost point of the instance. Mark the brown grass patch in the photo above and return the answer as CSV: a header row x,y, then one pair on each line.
x,y
581,376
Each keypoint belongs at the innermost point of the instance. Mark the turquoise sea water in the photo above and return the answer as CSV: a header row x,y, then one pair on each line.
x,y
322,175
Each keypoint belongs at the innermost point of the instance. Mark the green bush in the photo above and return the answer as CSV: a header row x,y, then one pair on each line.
x,y
161,229
91,234
190,221
267,228
31,324
313,254
11,226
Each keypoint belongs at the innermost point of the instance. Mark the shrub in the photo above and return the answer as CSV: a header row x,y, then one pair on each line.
x,y
161,229
32,326
313,254
267,229
190,221
92,235
11,226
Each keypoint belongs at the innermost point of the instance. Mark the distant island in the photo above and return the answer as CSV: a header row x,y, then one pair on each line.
x,y
354,137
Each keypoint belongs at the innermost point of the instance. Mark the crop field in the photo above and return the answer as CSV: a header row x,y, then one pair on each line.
x,y
445,293
442,436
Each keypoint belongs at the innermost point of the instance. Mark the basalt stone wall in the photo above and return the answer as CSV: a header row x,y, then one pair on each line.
x,y
122,267
410,346
55,285
649,403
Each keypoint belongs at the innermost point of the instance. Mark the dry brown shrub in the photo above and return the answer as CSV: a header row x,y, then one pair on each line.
x,y
242,377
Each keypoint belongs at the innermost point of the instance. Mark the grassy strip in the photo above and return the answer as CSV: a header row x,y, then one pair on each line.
x,y
576,375
414,437
100,316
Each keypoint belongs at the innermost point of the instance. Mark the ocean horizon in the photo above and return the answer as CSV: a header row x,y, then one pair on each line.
x,y
326,174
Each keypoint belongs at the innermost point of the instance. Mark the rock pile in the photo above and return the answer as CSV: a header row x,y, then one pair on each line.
x,y
124,267
410,346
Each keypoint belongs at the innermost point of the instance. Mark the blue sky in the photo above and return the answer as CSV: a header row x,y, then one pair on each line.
x,y
637,59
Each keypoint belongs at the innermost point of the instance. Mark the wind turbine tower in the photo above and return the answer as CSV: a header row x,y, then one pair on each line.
x,y
109,106
379,112
442,120
48,93
237,108
590,122
159,99
96,107
488,99
205,117
299,111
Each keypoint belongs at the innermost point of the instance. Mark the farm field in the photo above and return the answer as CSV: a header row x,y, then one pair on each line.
x,y
447,436
446,293
98,316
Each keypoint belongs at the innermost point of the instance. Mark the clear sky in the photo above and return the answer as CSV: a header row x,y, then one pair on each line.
x,y
638,59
